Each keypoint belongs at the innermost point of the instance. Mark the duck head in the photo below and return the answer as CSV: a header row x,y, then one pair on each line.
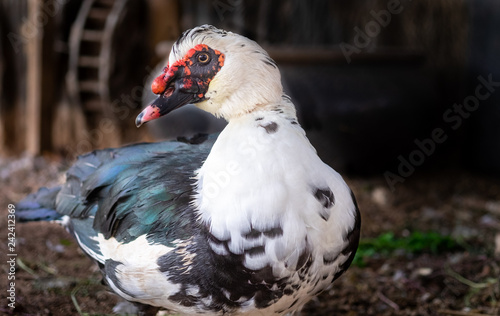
x,y
220,72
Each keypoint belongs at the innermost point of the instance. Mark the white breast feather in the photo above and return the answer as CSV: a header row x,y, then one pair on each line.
x,y
253,179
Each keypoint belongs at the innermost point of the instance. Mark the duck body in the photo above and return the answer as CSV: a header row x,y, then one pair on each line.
x,y
248,222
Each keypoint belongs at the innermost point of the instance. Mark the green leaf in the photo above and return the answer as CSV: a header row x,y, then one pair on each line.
x,y
417,242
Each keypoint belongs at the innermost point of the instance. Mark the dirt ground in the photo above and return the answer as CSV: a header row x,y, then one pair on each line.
x,y
53,277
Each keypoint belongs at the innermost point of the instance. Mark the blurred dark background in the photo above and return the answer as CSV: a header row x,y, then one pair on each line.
x,y
371,79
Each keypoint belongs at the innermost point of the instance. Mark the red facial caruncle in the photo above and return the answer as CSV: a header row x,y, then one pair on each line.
x,y
189,61
184,81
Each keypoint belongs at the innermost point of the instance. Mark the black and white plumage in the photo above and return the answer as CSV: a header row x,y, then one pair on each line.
x,y
247,222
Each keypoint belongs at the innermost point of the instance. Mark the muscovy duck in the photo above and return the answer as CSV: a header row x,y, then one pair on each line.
x,y
247,222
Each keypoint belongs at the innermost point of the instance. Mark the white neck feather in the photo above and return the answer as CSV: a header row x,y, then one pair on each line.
x,y
248,80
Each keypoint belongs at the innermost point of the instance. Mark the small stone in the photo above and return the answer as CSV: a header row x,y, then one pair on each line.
x,y
489,221
385,268
493,207
425,297
56,248
424,271
398,275
380,196
125,307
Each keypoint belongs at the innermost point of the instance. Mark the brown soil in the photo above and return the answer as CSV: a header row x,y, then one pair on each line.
x,y
52,271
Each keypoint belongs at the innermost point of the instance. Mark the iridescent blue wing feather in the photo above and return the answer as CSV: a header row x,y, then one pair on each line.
x,y
125,193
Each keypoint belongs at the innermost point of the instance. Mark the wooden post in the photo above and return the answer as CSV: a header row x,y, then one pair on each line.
x,y
33,82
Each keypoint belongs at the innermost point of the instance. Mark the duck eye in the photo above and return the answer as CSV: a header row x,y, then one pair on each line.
x,y
203,58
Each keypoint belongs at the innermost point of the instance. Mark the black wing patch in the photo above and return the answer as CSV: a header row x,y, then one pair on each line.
x,y
327,199
352,240
270,128
270,233
223,281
